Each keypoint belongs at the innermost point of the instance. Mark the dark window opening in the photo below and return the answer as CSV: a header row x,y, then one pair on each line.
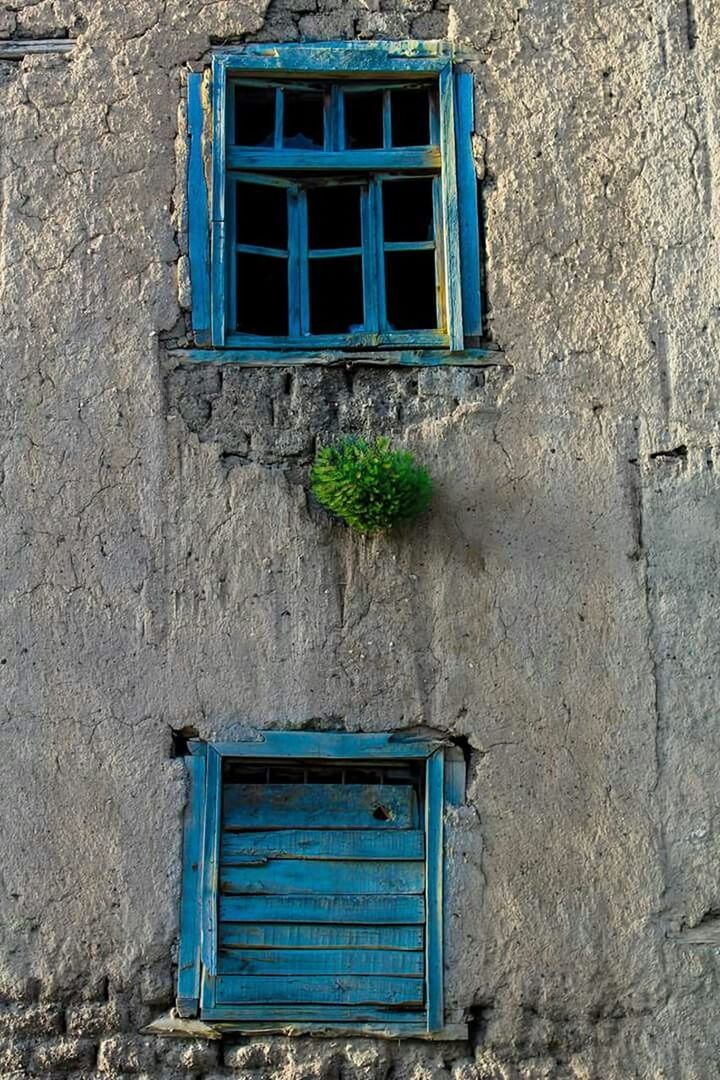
x,y
364,120
254,116
334,216
262,294
410,117
261,215
336,295
410,289
408,210
303,119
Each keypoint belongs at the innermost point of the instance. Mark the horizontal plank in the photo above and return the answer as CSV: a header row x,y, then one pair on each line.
x,y
319,990
293,877
320,962
262,357
367,910
307,936
378,1029
348,160
292,1014
324,844
315,806
327,49
16,50
331,744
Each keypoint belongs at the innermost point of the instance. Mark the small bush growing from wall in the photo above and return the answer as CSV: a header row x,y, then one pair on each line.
x,y
369,485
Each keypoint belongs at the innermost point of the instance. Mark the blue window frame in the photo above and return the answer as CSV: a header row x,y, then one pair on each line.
x,y
312,894
303,162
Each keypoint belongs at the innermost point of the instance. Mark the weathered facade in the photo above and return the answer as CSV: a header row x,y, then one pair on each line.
x,y
164,571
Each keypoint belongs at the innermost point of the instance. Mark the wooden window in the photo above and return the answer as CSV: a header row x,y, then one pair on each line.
x,y
333,203
313,883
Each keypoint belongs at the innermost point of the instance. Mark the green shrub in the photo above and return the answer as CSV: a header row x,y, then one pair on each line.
x,y
369,485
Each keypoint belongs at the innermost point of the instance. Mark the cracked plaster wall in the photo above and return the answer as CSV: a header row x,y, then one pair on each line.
x,y
162,566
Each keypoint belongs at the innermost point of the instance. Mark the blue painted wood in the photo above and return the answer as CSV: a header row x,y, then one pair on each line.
x,y
257,249
415,339
366,910
320,962
279,117
321,744
242,158
260,357
396,844
451,232
330,1015
468,205
287,806
387,120
218,246
211,849
335,58
293,877
398,48
189,959
455,770
295,317
333,253
381,990
307,936
440,275
378,248
198,209
434,789
370,260
410,245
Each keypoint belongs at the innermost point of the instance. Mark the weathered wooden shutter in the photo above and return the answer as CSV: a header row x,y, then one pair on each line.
x,y
321,908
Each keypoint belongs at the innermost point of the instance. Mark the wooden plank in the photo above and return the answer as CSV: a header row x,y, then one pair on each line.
x,y
286,52
261,357
279,936
324,844
377,1029
361,339
290,1014
434,890
320,990
324,744
337,58
314,806
293,877
384,910
211,846
320,962
198,209
188,980
218,245
451,232
468,205
17,50
455,770
242,157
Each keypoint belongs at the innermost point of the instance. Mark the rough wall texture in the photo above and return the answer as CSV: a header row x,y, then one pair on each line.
x,y
163,568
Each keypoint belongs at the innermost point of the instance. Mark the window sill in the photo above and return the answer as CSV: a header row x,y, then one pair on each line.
x,y
471,357
178,1027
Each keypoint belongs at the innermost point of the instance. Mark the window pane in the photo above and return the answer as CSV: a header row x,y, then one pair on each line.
x,y
334,216
410,117
303,119
408,209
262,294
336,295
254,116
364,120
261,215
410,290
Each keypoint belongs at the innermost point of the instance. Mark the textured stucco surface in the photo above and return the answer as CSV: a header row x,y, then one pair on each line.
x,y
164,569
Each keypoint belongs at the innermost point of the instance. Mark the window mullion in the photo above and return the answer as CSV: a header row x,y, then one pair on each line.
x,y
279,114
370,259
298,289
378,252
335,138
387,120
450,207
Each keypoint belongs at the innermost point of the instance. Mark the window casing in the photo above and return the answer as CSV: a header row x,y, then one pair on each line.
x,y
285,138
313,883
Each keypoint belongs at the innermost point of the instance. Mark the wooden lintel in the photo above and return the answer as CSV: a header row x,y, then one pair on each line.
x,y
388,358
18,50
